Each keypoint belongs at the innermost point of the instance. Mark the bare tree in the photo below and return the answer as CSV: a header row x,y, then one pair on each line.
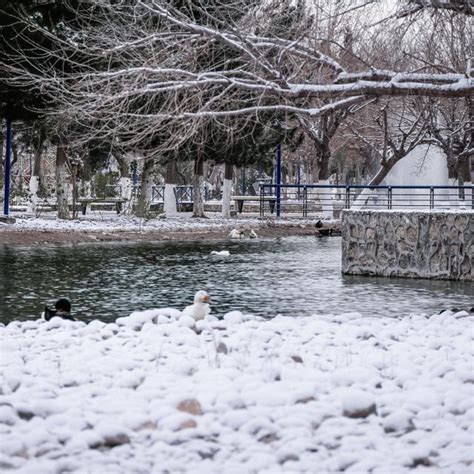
x,y
149,82
62,181
451,125
170,203
149,75
395,133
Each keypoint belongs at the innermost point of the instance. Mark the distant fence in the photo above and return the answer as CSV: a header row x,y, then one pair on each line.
x,y
314,199
184,194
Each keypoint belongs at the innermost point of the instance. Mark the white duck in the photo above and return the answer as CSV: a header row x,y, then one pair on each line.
x,y
200,309
242,234
235,234
221,253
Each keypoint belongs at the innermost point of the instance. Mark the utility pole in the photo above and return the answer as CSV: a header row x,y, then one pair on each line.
x,y
6,201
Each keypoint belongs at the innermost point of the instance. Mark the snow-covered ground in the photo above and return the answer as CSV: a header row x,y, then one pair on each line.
x,y
152,393
111,222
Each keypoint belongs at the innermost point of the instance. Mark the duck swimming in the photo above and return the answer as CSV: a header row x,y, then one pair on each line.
x,y
242,234
62,309
221,253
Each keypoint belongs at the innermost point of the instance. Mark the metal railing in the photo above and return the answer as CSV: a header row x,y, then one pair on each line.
x,y
314,199
184,194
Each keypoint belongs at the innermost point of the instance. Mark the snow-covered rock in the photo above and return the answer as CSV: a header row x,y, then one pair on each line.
x,y
155,392
357,404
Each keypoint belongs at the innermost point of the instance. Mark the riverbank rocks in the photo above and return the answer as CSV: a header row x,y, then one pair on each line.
x,y
191,406
411,244
357,404
339,392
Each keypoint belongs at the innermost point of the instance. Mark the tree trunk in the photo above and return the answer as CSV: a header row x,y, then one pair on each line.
x,y
376,180
325,195
198,202
2,169
323,160
86,179
144,200
35,180
453,178
170,206
227,189
464,173
314,170
125,182
62,185
75,191
17,178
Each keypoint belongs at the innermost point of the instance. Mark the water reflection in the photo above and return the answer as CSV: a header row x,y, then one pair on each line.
x,y
292,276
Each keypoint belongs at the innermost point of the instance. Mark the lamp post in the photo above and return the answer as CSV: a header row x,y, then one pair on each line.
x,y
6,202
278,181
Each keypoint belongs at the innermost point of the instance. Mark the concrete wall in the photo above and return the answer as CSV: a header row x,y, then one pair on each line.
x,y
411,244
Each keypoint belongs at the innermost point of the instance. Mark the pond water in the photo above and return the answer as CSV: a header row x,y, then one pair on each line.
x,y
293,276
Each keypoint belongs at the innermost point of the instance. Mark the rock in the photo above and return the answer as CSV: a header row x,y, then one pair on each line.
x,y
25,413
357,404
233,317
187,424
112,435
268,438
162,319
130,380
297,359
8,463
8,415
13,382
148,425
187,322
421,461
116,440
289,457
398,421
222,348
305,400
13,447
191,406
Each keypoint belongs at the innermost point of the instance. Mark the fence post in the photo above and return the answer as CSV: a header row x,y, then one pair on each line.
x,y
6,202
348,197
431,197
305,201
389,191
278,181
262,202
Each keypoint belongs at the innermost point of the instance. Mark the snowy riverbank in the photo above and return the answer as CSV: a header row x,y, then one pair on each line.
x,y
110,227
320,394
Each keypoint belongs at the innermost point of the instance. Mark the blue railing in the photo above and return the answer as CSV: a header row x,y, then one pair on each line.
x,y
331,199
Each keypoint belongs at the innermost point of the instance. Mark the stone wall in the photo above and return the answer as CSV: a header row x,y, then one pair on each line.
x,y
411,244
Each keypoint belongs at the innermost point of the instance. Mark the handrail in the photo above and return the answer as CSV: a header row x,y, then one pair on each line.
x,y
372,186
331,198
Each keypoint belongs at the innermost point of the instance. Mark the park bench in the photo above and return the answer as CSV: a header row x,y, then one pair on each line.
x,y
87,203
239,201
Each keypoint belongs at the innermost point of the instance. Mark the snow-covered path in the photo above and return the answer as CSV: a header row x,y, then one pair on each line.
x,y
153,394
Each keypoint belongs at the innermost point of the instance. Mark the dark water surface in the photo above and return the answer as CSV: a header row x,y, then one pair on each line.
x,y
292,276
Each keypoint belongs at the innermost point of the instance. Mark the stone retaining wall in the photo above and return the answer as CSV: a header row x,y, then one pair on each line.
x,y
411,244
